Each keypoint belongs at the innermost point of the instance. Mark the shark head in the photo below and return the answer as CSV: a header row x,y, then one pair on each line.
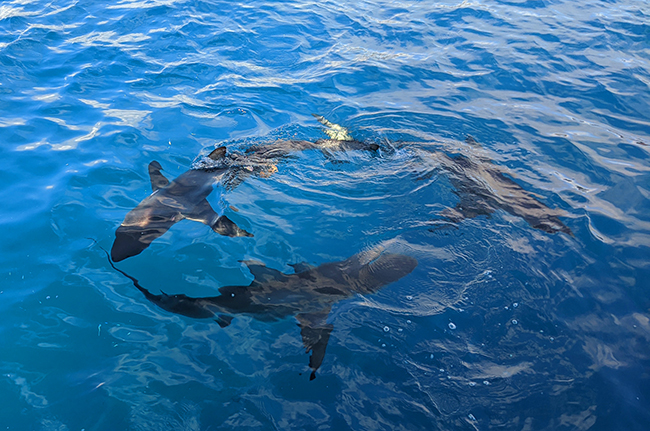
x,y
129,242
369,271
385,269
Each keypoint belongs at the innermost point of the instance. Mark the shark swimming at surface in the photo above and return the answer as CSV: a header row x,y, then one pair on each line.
x,y
186,196
308,294
483,187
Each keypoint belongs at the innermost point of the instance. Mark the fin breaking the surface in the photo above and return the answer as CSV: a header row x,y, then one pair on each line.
x,y
469,140
334,131
217,153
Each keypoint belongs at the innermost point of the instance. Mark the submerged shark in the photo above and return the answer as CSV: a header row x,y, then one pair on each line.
x,y
308,294
185,197
483,188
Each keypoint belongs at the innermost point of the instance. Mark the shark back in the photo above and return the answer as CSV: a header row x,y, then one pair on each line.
x,y
483,187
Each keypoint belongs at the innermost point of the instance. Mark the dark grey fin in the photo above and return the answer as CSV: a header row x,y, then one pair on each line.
x,y
158,180
469,140
222,225
261,272
226,227
218,153
223,320
315,332
301,267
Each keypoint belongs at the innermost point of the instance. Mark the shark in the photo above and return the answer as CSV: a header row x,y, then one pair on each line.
x,y
308,294
185,198
484,187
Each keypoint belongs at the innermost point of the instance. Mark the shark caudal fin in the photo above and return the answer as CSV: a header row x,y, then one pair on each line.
x,y
334,131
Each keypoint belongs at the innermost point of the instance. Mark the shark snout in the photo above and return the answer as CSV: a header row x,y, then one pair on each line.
x,y
127,243
386,269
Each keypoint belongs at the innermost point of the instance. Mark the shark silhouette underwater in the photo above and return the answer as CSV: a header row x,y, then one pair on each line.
x,y
484,187
308,294
186,196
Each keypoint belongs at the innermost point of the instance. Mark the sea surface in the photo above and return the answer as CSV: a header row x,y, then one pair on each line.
x,y
500,325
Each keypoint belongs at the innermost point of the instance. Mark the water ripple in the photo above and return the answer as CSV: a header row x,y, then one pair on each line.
x,y
556,94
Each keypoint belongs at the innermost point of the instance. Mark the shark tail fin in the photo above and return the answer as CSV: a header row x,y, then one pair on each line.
x,y
334,131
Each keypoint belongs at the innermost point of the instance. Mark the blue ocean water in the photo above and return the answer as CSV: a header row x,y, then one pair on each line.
x,y
500,326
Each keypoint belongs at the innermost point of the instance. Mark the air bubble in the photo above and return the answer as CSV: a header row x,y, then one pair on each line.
x,y
386,329
515,305
472,383
408,321
452,326
409,297
514,321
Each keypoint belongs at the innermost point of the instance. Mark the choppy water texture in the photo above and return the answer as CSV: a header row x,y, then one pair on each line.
x,y
500,325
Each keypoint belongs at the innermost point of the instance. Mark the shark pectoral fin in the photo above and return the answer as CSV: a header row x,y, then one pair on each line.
x,y
315,332
226,227
222,225
223,320
158,180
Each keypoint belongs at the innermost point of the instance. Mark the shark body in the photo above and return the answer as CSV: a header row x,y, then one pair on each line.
x,y
308,294
484,187
186,196
171,202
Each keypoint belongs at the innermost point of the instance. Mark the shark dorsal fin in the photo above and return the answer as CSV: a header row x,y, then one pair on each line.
x,y
261,272
301,267
158,180
470,140
218,153
334,131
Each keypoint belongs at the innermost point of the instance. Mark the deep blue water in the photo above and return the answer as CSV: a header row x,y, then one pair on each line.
x,y
500,326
